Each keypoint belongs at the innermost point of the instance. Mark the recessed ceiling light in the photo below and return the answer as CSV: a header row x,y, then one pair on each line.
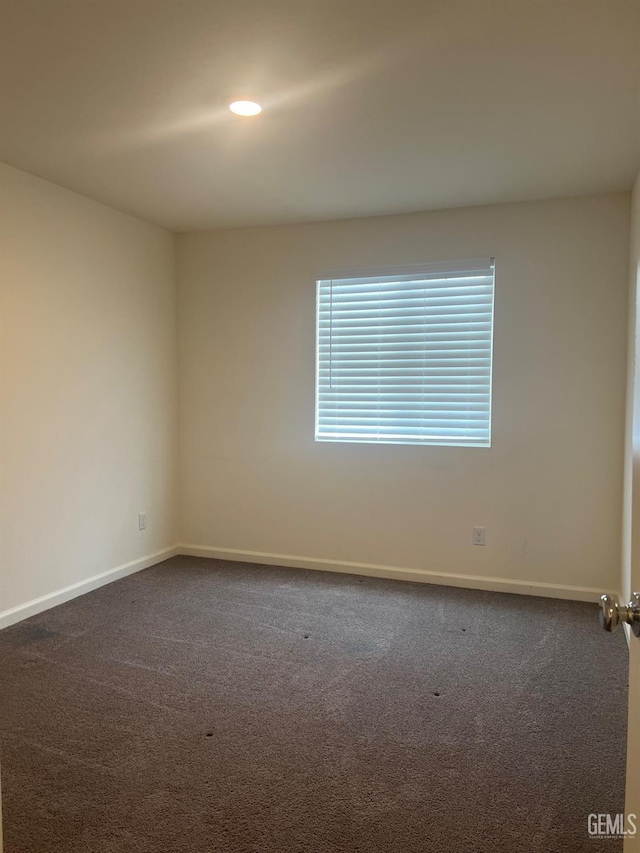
x,y
245,108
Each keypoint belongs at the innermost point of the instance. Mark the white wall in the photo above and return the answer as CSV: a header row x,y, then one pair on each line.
x,y
88,389
549,491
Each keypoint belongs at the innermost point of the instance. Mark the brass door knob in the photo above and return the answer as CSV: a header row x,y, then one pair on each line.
x,y
612,613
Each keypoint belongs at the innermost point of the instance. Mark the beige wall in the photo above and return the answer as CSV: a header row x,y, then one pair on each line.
x,y
549,490
88,396
88,388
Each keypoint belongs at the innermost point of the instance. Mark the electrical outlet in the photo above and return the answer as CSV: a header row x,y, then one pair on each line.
x,y
478,535
142,521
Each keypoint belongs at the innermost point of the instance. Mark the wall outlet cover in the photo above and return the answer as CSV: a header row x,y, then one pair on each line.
x,y
479,535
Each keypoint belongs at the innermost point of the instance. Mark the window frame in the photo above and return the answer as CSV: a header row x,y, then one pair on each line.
x,y
431,268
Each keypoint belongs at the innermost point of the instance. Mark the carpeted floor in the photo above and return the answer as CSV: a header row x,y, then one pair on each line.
x,y
203,706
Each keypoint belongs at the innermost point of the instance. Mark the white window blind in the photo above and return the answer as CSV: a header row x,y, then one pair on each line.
x,y
406,357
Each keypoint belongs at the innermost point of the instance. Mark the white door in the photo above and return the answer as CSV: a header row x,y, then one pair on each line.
x,y
631,580
632,843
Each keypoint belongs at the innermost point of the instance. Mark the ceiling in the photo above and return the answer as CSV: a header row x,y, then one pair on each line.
x,y
370,106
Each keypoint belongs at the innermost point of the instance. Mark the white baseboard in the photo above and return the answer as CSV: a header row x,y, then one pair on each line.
x,y
546,590
23,611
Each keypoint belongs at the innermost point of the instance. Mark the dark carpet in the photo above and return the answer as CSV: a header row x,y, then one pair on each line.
x,y
204,706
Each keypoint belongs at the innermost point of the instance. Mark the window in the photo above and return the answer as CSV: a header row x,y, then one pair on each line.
x,y
404,356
